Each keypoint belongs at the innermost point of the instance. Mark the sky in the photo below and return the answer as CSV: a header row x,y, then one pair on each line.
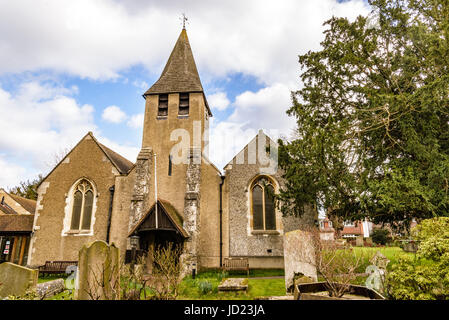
x,y
69,67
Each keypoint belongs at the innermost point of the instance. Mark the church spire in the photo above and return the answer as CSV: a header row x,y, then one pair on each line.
x,y
180,73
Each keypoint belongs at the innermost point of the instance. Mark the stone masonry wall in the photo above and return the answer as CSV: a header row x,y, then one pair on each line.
x,y
243,241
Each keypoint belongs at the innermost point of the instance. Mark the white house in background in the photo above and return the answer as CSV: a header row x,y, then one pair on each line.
x,y
353,229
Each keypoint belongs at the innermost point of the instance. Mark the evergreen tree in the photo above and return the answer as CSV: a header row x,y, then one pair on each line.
x,y
372,116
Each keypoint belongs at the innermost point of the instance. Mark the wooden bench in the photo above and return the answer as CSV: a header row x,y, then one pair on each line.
x,y
56,267
230,264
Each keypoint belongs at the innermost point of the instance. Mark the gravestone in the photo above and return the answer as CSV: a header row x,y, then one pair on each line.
x,y
16,280
410,246
359,241
299,257
233,284
380,261
377,271
50,288
98,275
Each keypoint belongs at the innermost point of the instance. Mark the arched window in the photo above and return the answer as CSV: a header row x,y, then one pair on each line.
x,y
83,198
262,204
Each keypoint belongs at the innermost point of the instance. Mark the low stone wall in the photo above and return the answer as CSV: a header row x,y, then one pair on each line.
x,y
50,288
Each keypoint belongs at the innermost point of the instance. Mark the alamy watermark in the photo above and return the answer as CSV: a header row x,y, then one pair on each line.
x,y
261,150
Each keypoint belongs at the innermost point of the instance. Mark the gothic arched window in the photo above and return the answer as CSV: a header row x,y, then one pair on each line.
x,y
262,204
83,198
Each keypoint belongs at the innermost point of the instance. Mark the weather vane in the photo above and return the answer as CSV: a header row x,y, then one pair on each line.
x,y
184,20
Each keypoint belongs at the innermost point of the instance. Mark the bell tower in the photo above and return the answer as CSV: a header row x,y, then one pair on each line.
x,y
175,133
175,101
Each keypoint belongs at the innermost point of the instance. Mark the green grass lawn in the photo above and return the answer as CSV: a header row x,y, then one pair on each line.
x,y
191,288
392,253
65,295
205,284
46,278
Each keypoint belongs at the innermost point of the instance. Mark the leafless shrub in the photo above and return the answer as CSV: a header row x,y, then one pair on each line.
x,y
166,275
335,264
134,280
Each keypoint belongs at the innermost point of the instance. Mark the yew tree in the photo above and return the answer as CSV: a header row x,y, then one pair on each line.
x,y
372,137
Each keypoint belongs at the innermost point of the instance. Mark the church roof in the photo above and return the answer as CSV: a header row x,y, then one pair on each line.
x,y
180,73
171,219
5,208
121,163
28,204
16,223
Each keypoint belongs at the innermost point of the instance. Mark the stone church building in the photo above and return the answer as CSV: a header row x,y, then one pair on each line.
x,y
172,193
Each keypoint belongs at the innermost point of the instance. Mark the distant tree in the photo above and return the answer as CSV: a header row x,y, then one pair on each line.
x,y
372,135
27,189
58,156
380,236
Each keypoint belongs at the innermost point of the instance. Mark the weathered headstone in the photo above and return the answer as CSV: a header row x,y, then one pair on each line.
x,y
233,284
98,275
359,241
377,271
16,280
299,256
410,246
50,288
380,261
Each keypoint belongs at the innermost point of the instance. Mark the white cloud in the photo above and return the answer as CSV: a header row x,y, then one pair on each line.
x,y
141,84
100,39
129,152
218,101
37,122
12,174
113,114
226,140
97,39
136,121
265,109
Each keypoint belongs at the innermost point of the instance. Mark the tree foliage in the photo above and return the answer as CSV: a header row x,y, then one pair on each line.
x,y
380,236
372,135
426,277
27,189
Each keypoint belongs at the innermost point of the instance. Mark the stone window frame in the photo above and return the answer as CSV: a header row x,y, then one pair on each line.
x,y
275,186
68,210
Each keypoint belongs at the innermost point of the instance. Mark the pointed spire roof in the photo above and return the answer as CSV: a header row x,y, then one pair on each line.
x,y
180,73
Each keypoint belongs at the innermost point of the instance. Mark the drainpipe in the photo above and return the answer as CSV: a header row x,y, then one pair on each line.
x,y
111,199
221,220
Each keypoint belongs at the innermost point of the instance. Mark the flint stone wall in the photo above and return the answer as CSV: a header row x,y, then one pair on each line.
x,y
243,241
